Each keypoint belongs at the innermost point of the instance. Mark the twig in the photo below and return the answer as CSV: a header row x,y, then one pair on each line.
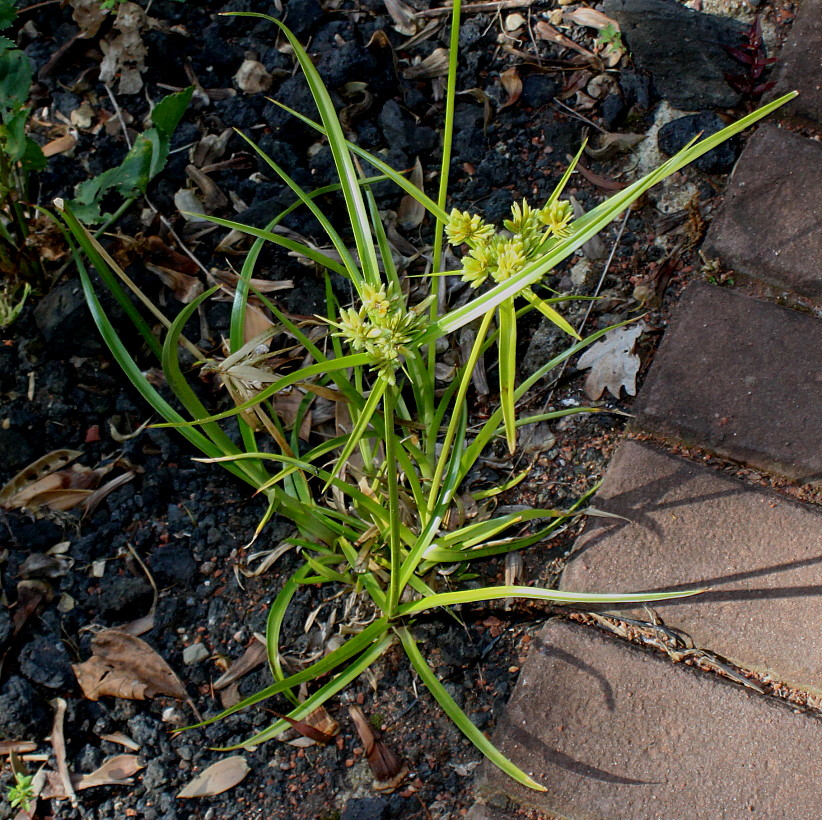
x,y
58,742
477,8
569,110
118,111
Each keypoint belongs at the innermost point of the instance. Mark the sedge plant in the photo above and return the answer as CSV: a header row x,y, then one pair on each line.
x,y
378,509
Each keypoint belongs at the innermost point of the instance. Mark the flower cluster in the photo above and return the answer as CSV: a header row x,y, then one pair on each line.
x,y
383,327
500,255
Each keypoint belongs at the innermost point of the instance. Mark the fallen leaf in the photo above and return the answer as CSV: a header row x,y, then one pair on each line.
x,y
116,771
612,144
384,763
124,666
88,15
30,595
125,54
613,363
18,747
59,145
411,211
219,777
252,77
545,31
318,727
402,16
254,655
512,83
604,183
45,565
122,740
592,19
43,466
185,288
434,65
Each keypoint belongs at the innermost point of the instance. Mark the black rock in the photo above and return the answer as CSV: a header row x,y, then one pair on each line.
x,y
675,134
172,565
124,596
5,625
498,206
45,661
365,808
635,87
280,152
539,89
23,715
682,49
402,133
301,16
613,110
63,319
15,451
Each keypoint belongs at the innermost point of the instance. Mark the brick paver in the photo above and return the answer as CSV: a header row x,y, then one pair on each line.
x,y
741,377
758,554
770,225
619,734
799,66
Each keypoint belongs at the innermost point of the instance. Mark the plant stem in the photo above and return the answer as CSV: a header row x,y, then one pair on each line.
x,y
458,403
394,544
445,166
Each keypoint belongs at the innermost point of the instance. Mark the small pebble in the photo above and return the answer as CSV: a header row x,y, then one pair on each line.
x,y
194,654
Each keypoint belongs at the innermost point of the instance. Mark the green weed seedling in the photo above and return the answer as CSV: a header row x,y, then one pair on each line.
x,y
378,511
21,794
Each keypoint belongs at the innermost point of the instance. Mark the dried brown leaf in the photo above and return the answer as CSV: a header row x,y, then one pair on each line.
x,y
124,666
512,83
434,65
88,15
219,777
125,53
30,595
318,727
115,771
254,656
403,17
43,466
252,77
18,747
59,145
185,288
613,363
592,18
122,740
384,763
411,211
545,31
612,144
58,743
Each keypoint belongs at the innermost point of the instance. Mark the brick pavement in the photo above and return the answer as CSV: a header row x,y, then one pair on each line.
x,y
720,380
616,733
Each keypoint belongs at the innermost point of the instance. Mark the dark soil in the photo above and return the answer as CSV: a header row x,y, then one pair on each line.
x,y
186,523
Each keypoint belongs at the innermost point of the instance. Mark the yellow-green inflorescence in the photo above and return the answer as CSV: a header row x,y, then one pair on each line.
x,y
383,327
500,255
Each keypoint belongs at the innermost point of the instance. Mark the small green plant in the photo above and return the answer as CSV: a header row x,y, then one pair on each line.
x,y
379,510
19,157
12,301
145,159
610,35
21,794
